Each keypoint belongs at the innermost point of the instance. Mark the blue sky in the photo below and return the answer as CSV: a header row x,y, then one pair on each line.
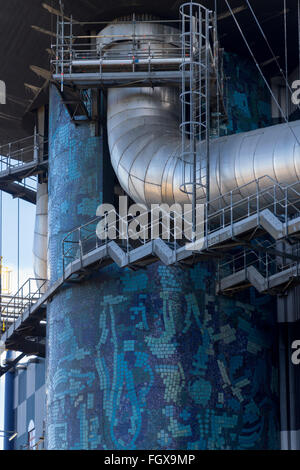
x,y
10,236
10,250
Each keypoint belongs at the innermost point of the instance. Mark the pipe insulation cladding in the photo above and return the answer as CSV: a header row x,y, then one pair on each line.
x,y
40,241
145,140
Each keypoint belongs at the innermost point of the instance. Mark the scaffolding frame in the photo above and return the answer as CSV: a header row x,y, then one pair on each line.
x,y
21,162
80,62
74,54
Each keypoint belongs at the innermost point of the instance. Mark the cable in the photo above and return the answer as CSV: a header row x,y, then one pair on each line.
x,y
217,66
61,7
269,46
1,225
18,244
299,34
259,68
286,62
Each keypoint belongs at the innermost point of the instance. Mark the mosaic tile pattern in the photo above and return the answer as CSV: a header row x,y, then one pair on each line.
x,y
248,100
29,403
165,366
149,359
75,177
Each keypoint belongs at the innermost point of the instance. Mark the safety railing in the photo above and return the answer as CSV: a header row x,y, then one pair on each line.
x,y
98,232
220,213
39,445
18,155
264,193
26,296
74,52
71,45
27,150
268,259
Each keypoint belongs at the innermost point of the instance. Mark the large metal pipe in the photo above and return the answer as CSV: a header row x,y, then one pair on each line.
x,y
145,142
40,244
145,147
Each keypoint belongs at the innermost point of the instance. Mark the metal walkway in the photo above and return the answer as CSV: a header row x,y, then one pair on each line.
x,y
270,268
86,62
272,211
24,315
20,163
78,60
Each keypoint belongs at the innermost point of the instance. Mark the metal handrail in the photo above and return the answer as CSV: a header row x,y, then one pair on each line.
x,y
17,154
12,154
70,47
279,204
267,263
27,295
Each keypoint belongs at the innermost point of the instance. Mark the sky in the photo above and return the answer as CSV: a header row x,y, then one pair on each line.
x,y
10,254
10,238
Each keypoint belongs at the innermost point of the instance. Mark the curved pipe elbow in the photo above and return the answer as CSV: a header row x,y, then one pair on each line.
x,y
145,147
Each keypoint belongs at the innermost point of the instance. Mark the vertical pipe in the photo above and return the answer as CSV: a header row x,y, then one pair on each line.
x,y
183,99
8,406
216,58
289,328
207,104
286,64
62,53
193,115
299,35
18,243
71,44
57,45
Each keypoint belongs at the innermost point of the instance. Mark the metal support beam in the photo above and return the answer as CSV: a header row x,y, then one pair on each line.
x,y
11,364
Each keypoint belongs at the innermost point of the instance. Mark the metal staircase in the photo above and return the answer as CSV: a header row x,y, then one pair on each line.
x,y
13,306
23,314
270,268
272,210
256,240
20,162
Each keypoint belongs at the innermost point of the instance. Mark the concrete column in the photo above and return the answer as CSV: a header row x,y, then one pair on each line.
x,y
289,342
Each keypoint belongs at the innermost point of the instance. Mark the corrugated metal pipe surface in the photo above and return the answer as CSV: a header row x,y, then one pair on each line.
x,y
145,141
40,244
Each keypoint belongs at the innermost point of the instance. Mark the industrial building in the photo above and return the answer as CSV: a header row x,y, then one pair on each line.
x,y
115,117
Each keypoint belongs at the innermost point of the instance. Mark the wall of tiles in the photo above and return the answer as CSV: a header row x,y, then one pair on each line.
x,y
29,402
247,100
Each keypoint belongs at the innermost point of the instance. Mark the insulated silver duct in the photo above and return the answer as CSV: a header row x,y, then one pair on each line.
x,y
145,148
40,243
145,142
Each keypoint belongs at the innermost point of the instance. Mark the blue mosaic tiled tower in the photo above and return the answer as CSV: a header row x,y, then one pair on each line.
x,y
149,359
